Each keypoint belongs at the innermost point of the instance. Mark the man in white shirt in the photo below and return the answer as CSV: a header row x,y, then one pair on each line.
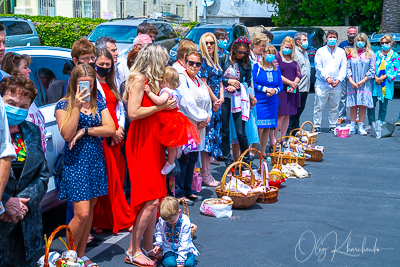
x,y
185,46
330,65
7,152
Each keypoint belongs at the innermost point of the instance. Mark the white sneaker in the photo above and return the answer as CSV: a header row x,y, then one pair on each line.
x,y
167,168
362,131
352,129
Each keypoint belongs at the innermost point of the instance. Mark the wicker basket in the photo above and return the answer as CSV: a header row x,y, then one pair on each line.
x,y
270,197
313,138
316,155
240,201
287,157
193,227
71,245
247,180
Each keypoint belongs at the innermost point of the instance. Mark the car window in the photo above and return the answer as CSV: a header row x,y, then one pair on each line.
x,y
318,39
50,76
12,28
123,34
196,33
25,28
171,32
162,31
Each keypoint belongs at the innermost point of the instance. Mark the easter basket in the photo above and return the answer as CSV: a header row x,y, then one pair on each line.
x,y
287,157
240,200
312,136
309,148
244,178
271,192
276,175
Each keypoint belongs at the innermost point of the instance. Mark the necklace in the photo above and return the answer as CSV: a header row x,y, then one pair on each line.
x,y
196,82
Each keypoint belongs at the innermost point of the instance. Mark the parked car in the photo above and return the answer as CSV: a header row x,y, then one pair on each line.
x,y
316,39
20,32
234,31
125,30
59,61
376,46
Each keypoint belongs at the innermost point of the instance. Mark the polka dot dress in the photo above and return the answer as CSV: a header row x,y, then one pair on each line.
x,y
84,170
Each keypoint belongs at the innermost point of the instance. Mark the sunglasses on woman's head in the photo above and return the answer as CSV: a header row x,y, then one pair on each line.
x,y
192,63
241,52
210,43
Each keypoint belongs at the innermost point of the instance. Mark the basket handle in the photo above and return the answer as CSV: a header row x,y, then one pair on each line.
x,y
264,173
260,156
299,129
308,122
223,180
71,245
185,208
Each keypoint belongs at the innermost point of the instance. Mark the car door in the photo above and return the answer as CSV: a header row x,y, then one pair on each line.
x,y
42,67
30,35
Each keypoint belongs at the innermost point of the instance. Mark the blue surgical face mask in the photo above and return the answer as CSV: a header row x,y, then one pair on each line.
x,y
386,47
269,44
360,44
286,51
332,41
304,44
15,115
223,44
270,58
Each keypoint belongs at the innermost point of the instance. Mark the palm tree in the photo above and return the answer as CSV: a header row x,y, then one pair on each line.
x,y
390,16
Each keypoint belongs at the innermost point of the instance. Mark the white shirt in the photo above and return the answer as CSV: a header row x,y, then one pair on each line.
x,y
6,147
122,66
330,65
178,66
119,77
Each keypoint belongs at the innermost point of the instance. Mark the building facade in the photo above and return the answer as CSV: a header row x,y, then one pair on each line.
x,y
248,12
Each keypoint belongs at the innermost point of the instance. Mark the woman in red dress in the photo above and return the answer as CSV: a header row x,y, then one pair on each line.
x,y
145,154
111,211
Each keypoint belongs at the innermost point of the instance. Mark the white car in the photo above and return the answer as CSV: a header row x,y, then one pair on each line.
x,y
59,62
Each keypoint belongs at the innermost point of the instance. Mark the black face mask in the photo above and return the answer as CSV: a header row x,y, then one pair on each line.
x,y
102,72
90,64
350,38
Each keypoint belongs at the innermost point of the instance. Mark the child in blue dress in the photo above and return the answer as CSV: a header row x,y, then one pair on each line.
x,y
173,239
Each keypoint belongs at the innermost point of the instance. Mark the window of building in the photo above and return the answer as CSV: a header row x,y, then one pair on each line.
x,y
144,8
180,10
190,4
87,9
47,7
166,8
121,8
154,2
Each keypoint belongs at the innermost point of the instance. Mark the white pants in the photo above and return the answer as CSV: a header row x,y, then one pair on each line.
x,y
323,95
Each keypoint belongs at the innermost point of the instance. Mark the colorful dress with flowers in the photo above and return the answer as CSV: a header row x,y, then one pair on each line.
x,y
391,63
177,240
359,67
213,142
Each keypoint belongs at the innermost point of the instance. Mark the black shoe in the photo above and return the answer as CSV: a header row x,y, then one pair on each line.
x,y
96,239
317,129
92,243
332,129
228,160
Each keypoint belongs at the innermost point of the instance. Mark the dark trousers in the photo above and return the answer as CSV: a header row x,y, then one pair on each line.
x,y
295,119
183,182
240,131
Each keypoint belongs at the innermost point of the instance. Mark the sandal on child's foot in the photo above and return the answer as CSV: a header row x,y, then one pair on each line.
x,y
130,259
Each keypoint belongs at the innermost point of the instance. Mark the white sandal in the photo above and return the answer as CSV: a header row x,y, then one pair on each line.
x,y
84,258
135,263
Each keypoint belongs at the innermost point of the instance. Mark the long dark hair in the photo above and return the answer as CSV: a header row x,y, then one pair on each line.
x,y
110,77
246,59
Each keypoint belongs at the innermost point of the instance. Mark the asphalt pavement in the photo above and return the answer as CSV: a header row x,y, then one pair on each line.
x,y
345,214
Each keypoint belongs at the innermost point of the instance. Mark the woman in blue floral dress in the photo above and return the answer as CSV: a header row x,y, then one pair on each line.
x,y
211,74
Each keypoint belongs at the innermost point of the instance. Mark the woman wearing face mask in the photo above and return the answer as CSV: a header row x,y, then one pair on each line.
x,y
111,211
360,72
82,125
21,228
386,68
289,97
259,43
267,81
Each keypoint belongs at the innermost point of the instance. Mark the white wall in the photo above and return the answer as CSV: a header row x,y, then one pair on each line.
x,y
65,8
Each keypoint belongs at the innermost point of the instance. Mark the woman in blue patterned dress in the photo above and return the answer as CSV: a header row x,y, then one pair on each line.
x,y
211,74
82,124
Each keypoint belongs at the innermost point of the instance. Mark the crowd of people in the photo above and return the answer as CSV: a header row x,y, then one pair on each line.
x,y
128,124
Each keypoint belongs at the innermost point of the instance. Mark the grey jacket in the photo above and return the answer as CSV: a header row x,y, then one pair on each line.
x,y
305,68
20,241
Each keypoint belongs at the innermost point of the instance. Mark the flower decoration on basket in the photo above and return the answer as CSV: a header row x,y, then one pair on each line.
x,y
243,40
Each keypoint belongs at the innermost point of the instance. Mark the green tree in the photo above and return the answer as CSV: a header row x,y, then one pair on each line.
x,y
365,13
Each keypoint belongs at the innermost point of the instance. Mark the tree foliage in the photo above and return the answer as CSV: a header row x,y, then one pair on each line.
x,y
366,13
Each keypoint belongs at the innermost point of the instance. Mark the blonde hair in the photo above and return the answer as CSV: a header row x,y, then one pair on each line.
x,y
387,37
79,71
289,40
269,49
168,208
171,76
368,50
258,38
150,63
204,52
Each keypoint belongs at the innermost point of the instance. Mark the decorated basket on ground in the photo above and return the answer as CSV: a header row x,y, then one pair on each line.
x,y
316,152
311,136
288,157
240,200
271,192
246,179
193,227
276,175
342,131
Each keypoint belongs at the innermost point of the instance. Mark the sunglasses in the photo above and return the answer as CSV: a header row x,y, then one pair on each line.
x,y
382,43
192,63
210,43
241,52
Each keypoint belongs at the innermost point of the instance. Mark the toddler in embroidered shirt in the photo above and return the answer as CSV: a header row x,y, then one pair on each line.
x,y
176,131
173,239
